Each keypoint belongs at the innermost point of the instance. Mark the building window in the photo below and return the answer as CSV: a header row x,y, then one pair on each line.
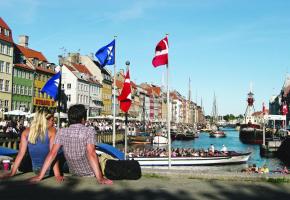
x,y
68,97
8,50
21,89
27,75
13,88
17,89
2,48
1,66
68,86
30,91
6,103
14,72
25,90
8,68
1,84
7,85
13,105
22,74
6,32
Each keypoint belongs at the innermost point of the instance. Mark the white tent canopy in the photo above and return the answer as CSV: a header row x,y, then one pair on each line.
x,y
16,112
62,115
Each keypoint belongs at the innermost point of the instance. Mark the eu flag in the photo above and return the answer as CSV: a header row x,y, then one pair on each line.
x,y
51,86
106,54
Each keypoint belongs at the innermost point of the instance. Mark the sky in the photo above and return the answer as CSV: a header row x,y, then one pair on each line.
x,y
221,45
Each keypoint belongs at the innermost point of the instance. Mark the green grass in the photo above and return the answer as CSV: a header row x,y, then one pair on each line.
x,y
154,176
278,180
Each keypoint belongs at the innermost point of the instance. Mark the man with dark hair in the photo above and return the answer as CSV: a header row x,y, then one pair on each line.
x,y
78,144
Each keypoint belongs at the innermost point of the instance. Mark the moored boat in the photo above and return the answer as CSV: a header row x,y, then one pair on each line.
x,y
217,134
140,138
230,158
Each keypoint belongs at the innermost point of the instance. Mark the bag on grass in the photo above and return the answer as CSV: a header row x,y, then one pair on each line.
x,y
122,169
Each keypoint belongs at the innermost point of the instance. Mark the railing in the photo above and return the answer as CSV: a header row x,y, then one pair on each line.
x,y
101,137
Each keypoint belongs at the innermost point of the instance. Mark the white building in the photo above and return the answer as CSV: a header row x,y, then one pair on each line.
x,y
81,87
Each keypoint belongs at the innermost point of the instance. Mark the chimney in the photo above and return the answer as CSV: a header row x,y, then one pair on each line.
x,y
23,40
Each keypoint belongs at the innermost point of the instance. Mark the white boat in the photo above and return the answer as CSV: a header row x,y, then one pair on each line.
x,y
160,140
235,158
231,158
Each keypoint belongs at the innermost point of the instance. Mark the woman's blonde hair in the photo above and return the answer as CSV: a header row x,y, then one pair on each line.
x,y
38,126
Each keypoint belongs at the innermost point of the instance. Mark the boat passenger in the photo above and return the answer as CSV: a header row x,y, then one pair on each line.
x,y
211,150
224,149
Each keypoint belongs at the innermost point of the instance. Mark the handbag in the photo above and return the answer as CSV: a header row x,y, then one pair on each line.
x,y
122,170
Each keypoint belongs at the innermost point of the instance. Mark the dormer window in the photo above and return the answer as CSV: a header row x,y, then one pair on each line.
x,y
6,32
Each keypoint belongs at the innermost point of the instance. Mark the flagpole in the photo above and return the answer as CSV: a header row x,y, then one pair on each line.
x,y
114,98
126,122
60,62
168,115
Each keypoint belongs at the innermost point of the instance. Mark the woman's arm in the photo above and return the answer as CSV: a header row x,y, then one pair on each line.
x,y
56,171
20,155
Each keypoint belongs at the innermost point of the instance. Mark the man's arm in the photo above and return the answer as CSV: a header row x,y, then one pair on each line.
x,y
95,165
49,158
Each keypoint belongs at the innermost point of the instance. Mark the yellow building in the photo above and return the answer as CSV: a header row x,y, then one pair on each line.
x,y
6,61
106,93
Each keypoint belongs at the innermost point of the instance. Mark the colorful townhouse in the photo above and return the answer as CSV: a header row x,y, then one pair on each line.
x,y
6,61
43,70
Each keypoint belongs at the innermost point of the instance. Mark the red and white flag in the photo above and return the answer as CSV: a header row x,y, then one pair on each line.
x,y
284,109
125,96
161,53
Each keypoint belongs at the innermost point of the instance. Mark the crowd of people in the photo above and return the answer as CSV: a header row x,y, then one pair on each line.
x,y
178,152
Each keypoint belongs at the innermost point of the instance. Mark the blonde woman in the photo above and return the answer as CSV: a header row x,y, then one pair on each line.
x,y
39,139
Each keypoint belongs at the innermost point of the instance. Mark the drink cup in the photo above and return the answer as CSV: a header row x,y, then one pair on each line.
x,y
6,164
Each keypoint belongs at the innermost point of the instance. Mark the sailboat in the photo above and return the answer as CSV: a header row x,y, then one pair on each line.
x,y
215,132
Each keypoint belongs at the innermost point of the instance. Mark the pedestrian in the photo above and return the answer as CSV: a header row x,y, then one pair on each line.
x,y
38,139
78,144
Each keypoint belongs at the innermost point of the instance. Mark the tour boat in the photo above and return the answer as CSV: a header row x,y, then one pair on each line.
x,y
230,158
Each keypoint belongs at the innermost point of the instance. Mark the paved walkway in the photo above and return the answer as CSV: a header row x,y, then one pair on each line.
x,y
154,185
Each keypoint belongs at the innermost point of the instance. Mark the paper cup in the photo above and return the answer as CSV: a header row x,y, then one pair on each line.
x,y
6,164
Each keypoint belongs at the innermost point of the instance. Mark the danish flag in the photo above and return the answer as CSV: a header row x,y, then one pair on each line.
x,y
161,53
125,96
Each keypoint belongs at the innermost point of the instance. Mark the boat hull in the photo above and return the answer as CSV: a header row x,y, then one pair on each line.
x,y
194,161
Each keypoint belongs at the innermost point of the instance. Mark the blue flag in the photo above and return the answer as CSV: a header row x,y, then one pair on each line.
x,y
51,86
106,54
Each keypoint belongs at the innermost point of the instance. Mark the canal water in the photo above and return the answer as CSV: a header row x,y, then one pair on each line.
x,y
232,142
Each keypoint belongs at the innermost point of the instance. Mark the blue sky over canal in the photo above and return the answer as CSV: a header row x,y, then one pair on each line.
x,y
223,45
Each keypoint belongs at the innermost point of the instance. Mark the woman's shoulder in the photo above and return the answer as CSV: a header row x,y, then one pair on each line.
x,y
26,132
51,131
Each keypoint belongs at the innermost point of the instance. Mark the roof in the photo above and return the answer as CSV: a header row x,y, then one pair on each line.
x,y
2,36
45,70
23,66
30,53
82,68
